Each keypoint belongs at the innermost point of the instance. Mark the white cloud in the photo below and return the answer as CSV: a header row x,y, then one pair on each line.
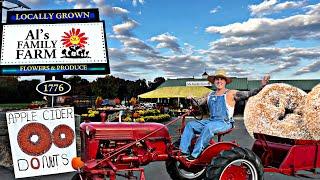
x,y
99,2
285,64
167,41
31,3
314,67
313,9
137,47
289,5
125,28
262,7
236,71
215,10
181,66
271,6
80,4
113,11
135,2
116,54
258,32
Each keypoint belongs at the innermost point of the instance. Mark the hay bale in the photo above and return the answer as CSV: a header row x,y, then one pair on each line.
x,y
277,110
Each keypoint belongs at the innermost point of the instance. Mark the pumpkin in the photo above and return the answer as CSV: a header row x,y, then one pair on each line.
x,y
136,115
117,101
77,163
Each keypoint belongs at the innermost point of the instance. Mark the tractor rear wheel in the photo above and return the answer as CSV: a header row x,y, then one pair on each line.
x,y
235,164
83,177
177,172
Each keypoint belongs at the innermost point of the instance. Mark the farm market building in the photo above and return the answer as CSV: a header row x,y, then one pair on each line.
x,y
174,90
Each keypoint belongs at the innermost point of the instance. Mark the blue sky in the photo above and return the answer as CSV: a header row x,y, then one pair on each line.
x,y
183,38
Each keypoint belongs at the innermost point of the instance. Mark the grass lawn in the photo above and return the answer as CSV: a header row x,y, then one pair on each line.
x,y
14,106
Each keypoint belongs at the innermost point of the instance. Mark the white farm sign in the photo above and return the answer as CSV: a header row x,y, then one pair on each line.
x,y
42,141
198,83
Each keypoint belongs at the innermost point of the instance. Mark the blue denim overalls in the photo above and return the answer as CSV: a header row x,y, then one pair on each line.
x,y
218,122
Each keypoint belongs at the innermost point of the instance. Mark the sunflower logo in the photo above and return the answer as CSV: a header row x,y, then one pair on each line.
x,y
74,41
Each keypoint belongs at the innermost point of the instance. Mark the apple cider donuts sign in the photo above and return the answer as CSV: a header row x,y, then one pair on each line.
x,y
42,141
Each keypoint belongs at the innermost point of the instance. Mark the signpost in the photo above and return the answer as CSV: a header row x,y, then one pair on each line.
x,y
51,43
42,141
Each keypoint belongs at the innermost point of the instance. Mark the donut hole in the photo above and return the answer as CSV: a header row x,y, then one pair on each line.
x,y
62,136
277,103
34,138
287,111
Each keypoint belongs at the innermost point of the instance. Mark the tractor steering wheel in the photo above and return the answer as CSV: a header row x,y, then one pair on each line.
x,y
195,109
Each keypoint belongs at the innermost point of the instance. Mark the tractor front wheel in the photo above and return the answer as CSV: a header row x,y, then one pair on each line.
x,y
235,164
178,172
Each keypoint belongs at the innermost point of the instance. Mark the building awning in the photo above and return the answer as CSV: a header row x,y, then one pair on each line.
x,y
176,92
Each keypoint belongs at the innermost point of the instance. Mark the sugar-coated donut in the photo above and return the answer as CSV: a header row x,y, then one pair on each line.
x,y
277,110
311,112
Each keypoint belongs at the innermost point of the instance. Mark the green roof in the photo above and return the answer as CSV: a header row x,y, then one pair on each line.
x,y
238,83
245,84
178,82
303,84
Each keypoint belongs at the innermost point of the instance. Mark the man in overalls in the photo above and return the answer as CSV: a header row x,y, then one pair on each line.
x,y
221,105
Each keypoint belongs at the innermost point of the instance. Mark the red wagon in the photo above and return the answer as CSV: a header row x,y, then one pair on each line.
x,y
287,156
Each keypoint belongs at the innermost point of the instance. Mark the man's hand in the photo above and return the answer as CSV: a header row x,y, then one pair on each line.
x,y
265,79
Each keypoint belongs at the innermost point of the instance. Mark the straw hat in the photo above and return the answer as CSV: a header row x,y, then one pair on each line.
x,y
220,73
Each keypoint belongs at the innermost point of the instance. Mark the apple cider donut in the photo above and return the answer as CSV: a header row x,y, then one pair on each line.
x,y
276,110
34,139
63,136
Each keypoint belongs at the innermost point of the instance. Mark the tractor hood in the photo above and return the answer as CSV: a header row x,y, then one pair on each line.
x,y
124,131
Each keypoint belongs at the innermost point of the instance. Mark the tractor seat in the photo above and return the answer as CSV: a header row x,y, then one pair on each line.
x,y
221,134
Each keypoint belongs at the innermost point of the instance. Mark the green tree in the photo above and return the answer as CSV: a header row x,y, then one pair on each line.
x,y
106,87
79,86
156,83
9,89
27,91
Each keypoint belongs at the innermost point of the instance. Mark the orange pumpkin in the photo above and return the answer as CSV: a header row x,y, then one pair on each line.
x,y
117,101
136,115
77,163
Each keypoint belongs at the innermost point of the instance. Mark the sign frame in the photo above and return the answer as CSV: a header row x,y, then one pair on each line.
x,y
93,68
30,162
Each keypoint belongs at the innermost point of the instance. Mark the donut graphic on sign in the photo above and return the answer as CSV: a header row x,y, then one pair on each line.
x,y
74,43
35,139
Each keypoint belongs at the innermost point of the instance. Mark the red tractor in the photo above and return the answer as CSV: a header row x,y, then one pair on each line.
x,y
109,148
